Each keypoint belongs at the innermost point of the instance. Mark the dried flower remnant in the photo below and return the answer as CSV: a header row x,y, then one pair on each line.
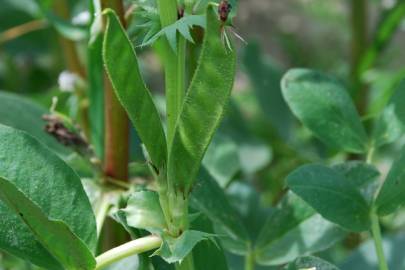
x,y
64,135
224,9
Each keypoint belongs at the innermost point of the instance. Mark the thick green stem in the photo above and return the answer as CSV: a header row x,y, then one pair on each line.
x,y
137,246
376,232
250,259
174,90
116,125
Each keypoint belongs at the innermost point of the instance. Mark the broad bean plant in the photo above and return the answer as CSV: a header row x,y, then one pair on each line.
x,y
72,195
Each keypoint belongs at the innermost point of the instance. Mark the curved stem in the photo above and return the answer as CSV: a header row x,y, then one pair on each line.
x,y
376,232
128,249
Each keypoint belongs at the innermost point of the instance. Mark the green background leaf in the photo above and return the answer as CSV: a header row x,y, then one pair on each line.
x,y
310,263
324,106
392,194
21,113
293,230
332,195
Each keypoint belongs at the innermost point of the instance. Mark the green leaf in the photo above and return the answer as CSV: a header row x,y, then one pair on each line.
x,y
248,203
176,249
143,211
54,235
324,106
294,230
391,123
357,172
392,194
51,188
207,249
95,76
21,113
203,107
64,27
181,26
221,159
362,175
310,263
131,91
265,77
331,195
206,197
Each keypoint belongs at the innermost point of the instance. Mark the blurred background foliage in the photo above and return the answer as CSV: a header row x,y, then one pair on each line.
x,y
260,141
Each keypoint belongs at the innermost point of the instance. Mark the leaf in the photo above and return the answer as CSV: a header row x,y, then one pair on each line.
x,y
222,159
203,107
131,91
362,175
331,195
21,113
207,249
181,26
176,249
323,105
392,193
144,212
206,197
247,202
96,82
64,27
294,230
51,188
357,172
54,235
391,123
264,77
311,263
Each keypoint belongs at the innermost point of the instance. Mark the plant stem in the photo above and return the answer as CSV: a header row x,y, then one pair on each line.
x,y
116,120
174,90
359,43
370,155
250,260
128,249
69,48
22,29
376,232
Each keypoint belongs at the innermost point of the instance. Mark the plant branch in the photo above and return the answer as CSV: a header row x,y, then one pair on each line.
x,y
250,261
376,232
22,29
69,48
137,246
359,42
174,88
117,124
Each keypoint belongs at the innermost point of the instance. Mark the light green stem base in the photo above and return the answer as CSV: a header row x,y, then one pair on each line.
x,y
376,232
